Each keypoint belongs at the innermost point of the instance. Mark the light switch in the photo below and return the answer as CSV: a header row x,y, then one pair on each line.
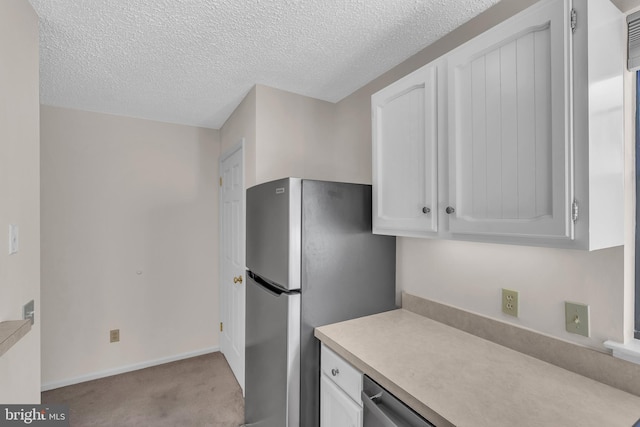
x,y
13,239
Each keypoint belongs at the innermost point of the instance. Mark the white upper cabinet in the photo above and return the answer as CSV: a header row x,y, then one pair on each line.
x,y
514,137
598,123
405,143
509,165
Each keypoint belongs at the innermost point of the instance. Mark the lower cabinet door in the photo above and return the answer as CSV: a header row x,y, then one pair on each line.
x,y
336,408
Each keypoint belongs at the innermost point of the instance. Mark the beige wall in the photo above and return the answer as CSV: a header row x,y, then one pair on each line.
x,y
129,242
470,275
241,125
280,133
19,195
300,136
124,196
295,137
287,134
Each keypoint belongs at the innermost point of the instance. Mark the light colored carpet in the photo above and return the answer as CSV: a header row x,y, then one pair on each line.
x,y
200,391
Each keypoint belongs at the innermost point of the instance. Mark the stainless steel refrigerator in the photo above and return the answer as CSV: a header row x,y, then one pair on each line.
x,y
312,260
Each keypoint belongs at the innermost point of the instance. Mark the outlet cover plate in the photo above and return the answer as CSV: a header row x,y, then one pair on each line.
x,y
510,302
13,239
577,318
28,311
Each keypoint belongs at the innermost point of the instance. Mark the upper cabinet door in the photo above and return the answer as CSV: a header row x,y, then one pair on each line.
x,y
510,157
405,134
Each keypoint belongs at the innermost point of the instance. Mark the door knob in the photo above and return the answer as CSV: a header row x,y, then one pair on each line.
x,y
450,210
426,210
237,279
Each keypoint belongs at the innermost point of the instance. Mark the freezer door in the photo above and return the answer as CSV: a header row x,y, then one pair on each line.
x,y
272,356
273,231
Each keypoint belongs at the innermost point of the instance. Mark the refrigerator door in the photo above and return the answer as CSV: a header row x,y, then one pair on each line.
x,y
273,231
272,357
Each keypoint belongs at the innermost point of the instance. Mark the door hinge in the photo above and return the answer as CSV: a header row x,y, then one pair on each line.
x,y
574,20
220,181
221,327
574,211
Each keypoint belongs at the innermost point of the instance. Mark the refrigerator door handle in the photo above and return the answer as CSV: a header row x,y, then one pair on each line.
x,y
273,290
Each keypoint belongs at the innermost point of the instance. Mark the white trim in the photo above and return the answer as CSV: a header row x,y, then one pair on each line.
x,y
238,146
629,351
231,151
127,368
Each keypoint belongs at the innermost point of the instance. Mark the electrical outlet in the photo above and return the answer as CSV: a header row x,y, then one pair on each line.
x,y
114,335
576,318
510,302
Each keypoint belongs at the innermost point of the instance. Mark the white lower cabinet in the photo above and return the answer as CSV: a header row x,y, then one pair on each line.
x,y
340,388
336,408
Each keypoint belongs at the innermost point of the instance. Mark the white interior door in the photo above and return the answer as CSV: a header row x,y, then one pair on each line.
x,y
232,261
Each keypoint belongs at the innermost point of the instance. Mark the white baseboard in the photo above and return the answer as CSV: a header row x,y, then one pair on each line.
x,y
128,368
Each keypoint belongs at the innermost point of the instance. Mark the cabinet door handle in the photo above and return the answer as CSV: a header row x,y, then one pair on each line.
x,y
426,210
237,279
450,210
335,372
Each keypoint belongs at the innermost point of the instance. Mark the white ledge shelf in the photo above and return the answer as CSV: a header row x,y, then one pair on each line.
x,y
629,351
11,332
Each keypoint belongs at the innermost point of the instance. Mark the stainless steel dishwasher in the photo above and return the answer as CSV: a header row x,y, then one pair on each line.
x,y
383,409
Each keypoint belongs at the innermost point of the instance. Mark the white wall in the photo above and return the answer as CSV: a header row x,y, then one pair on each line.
x,y
129,242
19,195
470,275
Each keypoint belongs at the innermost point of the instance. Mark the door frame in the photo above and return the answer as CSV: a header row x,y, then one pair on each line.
x,y
240,145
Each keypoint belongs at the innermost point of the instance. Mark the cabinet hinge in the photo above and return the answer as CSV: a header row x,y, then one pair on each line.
x,y
221,327
574,20
220,181
574,210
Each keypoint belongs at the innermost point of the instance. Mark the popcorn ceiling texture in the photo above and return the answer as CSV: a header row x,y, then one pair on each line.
x,y
193,61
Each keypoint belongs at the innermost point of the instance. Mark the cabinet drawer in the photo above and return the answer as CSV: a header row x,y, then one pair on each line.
x,y
342,373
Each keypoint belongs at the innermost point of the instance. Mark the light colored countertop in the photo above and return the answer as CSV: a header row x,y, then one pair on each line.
x,y
10,333
454,378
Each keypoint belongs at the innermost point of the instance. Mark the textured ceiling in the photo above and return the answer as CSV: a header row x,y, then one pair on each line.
x,y
193,61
